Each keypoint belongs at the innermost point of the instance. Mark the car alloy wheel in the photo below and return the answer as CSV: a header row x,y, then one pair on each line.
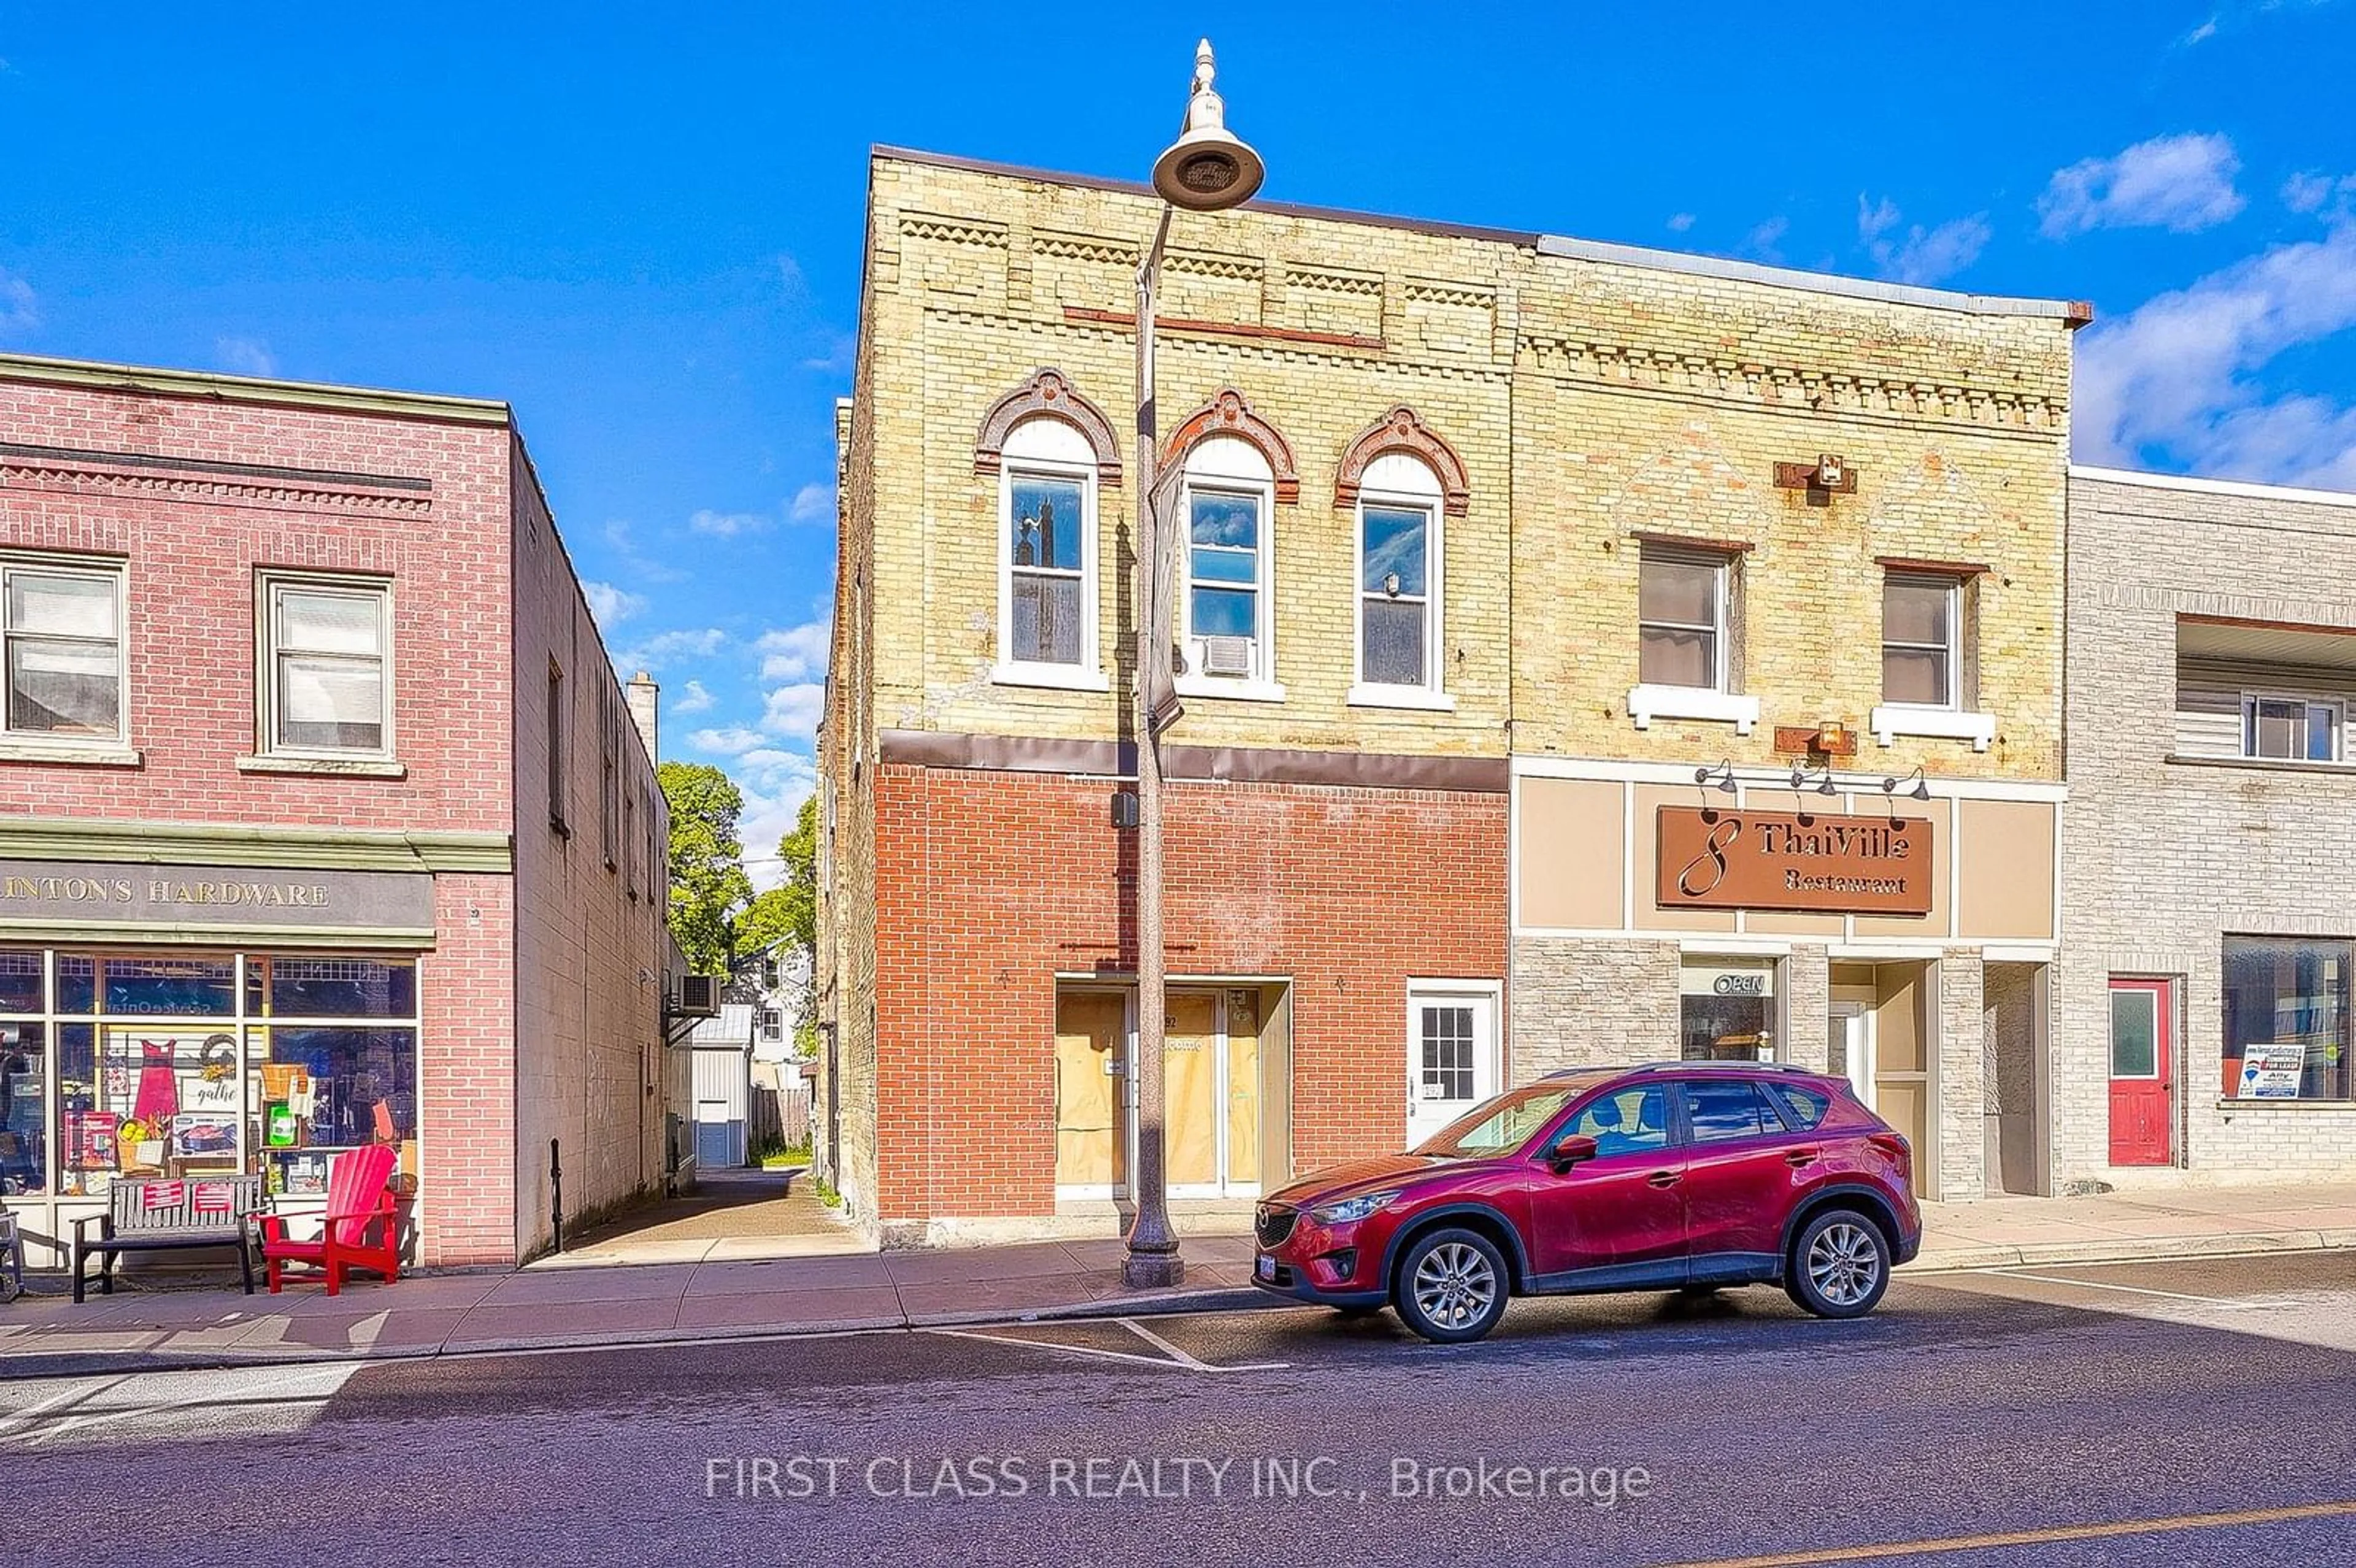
x,y
1840,1265
1451,1287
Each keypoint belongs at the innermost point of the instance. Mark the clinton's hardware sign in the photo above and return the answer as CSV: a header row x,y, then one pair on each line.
x,y
1713,859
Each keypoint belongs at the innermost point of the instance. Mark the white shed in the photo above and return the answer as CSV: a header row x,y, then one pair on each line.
x,y
724,1078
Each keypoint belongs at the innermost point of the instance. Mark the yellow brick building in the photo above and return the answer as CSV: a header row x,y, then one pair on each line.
x,y
1678,515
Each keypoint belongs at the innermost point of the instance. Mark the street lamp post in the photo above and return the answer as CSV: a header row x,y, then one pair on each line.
x,y
1206,170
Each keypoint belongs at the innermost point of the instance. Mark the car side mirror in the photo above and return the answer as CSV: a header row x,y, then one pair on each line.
x,y
1569,1150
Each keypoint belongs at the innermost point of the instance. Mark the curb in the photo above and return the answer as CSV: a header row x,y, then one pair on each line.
x,y
2151,1249
70,1363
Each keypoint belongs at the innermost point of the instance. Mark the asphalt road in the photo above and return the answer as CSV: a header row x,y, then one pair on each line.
x,y
2080,1416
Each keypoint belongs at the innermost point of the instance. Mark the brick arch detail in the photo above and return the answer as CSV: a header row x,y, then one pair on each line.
x,y
1049,392
1228,413
1403,429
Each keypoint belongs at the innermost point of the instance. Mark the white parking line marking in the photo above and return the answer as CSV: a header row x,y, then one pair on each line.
x,y
2223,1302
84,1389
1174,1360
1151,1338
208,1393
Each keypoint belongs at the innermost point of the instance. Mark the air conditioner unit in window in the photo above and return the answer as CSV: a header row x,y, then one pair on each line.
x,y
1228,657
699,995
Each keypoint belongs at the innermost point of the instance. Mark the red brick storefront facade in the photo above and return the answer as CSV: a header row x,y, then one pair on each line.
x,y
993,883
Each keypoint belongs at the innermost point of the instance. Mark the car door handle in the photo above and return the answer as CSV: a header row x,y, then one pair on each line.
x,y
1801,1156
1662,1179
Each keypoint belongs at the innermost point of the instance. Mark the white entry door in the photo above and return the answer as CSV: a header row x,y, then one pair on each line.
x,y
1852,1049
1451,1056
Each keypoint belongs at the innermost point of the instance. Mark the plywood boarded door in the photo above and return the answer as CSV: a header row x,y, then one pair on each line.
x,y
1091,1079
1191,1088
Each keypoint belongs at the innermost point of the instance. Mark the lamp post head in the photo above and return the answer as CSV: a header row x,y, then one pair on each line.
x,y
1207,168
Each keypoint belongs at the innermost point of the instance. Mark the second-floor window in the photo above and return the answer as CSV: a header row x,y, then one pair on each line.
x,y
328,653
64,634
773,1023
1922,617
1682,613
1047,531
1398,575
1225,607
2292,728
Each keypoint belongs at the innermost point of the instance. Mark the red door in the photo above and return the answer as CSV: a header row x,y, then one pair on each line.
x,y
2141,1073
1623,1209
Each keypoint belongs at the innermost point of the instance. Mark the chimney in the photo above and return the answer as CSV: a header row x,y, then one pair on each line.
x,y
642,691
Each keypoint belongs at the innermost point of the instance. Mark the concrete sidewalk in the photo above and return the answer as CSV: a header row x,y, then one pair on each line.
x,y
548,1308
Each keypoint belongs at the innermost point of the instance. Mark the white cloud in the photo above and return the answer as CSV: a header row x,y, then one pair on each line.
x,y
775,783
789,276
1763,240
2310,192
1680,221
19,311
1914,254
693,698
734,741
245,356
2176,380
611,605
812,503
794,653
621,538
727,525
668,647
842,350
2179,183
792,712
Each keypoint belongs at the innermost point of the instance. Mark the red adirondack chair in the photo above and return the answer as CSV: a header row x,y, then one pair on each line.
x,y
359,1198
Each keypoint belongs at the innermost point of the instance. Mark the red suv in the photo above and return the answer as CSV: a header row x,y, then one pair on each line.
x,y
1675,1176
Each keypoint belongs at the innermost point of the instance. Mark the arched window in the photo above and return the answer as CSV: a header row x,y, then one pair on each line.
x,y
1047,556
1226,603
1398,598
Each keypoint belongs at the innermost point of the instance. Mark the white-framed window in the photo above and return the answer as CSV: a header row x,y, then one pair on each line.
x,y
2286,727
1922,640
326,667
1682,615
1227,609
1048,556
773,1023
1398,595
69,683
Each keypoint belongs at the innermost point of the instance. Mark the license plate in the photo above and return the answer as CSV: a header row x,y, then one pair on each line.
x,y
1266,1267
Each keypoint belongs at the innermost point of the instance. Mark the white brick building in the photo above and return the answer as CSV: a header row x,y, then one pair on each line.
x,y
2208,914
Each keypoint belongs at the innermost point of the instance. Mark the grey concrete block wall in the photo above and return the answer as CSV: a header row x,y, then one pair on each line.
x,y
1807,1004
1959,1087
2161,859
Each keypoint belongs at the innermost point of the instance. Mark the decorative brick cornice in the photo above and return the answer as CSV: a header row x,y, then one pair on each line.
x,y
1401,431
207,482
1229,414
1362,284
956,230
1439,291
1083,248
1726,379
1208,264
1047,392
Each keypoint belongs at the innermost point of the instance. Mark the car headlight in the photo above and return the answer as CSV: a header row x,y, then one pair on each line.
x,y
1350,1211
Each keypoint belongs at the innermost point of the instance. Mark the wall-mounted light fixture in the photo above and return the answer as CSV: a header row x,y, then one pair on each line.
x,y
1824,785
1721,777
1830,474
1921,790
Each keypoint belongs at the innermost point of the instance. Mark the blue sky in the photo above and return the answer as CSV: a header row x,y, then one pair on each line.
x,y
642,224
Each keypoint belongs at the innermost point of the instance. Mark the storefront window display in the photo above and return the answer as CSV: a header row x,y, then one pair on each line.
x,y
1726,1010
2286,1018
181,1065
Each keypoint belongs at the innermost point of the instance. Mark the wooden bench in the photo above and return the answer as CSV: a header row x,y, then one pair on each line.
x,y
159,1216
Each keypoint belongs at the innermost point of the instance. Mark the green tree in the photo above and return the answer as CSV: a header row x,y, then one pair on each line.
x,y
709,889
789,910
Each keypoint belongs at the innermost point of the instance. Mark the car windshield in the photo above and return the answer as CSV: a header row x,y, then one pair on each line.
x,y
1510,1120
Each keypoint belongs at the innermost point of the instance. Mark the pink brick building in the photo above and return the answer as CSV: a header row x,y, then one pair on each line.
x,y
323,819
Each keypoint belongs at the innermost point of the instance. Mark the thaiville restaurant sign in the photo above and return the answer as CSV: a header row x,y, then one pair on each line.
x,y
1827,864
83,891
